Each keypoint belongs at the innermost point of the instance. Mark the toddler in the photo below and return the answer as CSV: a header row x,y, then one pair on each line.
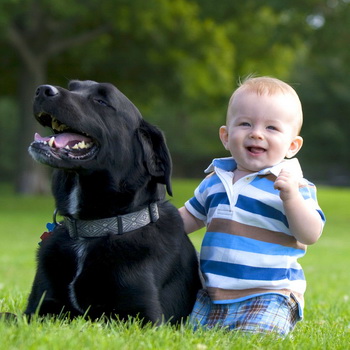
x,y
260,214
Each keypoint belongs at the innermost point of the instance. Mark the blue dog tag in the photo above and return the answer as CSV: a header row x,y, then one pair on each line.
x,y
51,226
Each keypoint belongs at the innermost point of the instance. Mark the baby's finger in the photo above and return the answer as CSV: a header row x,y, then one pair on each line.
x,y
278,185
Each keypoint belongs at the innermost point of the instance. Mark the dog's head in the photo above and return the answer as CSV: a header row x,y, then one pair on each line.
x,y
95,127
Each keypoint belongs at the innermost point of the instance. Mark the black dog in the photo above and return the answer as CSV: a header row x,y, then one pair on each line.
x,y
121,248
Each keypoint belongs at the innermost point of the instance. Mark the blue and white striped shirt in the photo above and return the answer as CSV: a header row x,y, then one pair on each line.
x,y
248,249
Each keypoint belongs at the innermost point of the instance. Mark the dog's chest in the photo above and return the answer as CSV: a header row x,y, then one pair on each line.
x,y
80,248
94,268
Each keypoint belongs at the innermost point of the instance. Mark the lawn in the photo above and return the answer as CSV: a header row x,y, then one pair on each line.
x,y
326,265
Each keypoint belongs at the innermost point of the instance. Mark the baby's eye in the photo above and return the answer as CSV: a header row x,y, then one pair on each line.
x,y
271,127
244,124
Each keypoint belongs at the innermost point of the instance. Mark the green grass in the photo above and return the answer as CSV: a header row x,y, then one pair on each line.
x,y
326,265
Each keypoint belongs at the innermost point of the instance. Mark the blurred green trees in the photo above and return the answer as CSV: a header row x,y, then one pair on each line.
x,y
179,62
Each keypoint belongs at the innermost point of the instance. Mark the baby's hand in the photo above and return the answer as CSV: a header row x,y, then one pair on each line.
x,y
287,184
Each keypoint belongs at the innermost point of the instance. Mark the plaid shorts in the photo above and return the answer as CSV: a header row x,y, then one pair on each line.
x,y
263,314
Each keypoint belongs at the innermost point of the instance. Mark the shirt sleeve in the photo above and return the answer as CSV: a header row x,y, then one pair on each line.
x,y
309,192
196,204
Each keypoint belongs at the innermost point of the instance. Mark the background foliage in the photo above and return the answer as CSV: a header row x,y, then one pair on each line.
x,y
179,62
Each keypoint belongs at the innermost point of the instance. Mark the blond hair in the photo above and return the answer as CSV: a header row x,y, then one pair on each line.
x,y
268,86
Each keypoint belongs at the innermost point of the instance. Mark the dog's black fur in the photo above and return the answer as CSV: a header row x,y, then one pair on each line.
x,y
151,272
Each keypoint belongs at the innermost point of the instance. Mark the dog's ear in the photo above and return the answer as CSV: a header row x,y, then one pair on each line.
x,y
156,155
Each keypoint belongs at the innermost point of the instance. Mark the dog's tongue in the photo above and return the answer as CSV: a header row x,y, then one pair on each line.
x,y
62,140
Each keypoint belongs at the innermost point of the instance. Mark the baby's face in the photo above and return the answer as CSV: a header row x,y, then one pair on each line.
x,y
262,129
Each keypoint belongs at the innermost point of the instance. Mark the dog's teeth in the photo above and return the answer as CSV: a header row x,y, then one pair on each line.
x,y
51,142
63,127
67,147
82,145
56,125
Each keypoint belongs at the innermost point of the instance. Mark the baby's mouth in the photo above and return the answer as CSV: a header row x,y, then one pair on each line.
x,y
256,150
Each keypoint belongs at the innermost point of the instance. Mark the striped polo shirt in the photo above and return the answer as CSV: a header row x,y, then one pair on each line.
x,y
248,249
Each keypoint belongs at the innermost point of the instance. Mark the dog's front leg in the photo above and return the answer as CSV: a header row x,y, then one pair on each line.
x,y
146,306
152,315
55,270
43,300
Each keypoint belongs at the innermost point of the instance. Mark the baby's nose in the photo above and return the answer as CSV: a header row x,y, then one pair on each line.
x,y
256,133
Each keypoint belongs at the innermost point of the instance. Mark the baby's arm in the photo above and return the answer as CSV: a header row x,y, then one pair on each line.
x,y
304,222
191,223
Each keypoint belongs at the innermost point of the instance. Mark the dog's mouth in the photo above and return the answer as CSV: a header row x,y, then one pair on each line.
x,y
65,142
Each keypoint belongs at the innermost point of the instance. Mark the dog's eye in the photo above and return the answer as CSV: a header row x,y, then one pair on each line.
x,y
102,102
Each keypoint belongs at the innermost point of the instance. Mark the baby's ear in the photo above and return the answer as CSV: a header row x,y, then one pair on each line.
x,y
295,146
224,136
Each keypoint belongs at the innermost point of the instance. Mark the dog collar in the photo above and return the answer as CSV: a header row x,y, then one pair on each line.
x,y
115,225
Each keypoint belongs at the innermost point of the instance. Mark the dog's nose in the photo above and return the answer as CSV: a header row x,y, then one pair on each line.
x,y
46,91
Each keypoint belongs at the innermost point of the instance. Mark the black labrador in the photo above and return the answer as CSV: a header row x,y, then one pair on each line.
x,y
120,249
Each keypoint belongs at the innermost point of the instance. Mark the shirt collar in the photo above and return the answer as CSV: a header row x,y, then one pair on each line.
x,y
229,164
